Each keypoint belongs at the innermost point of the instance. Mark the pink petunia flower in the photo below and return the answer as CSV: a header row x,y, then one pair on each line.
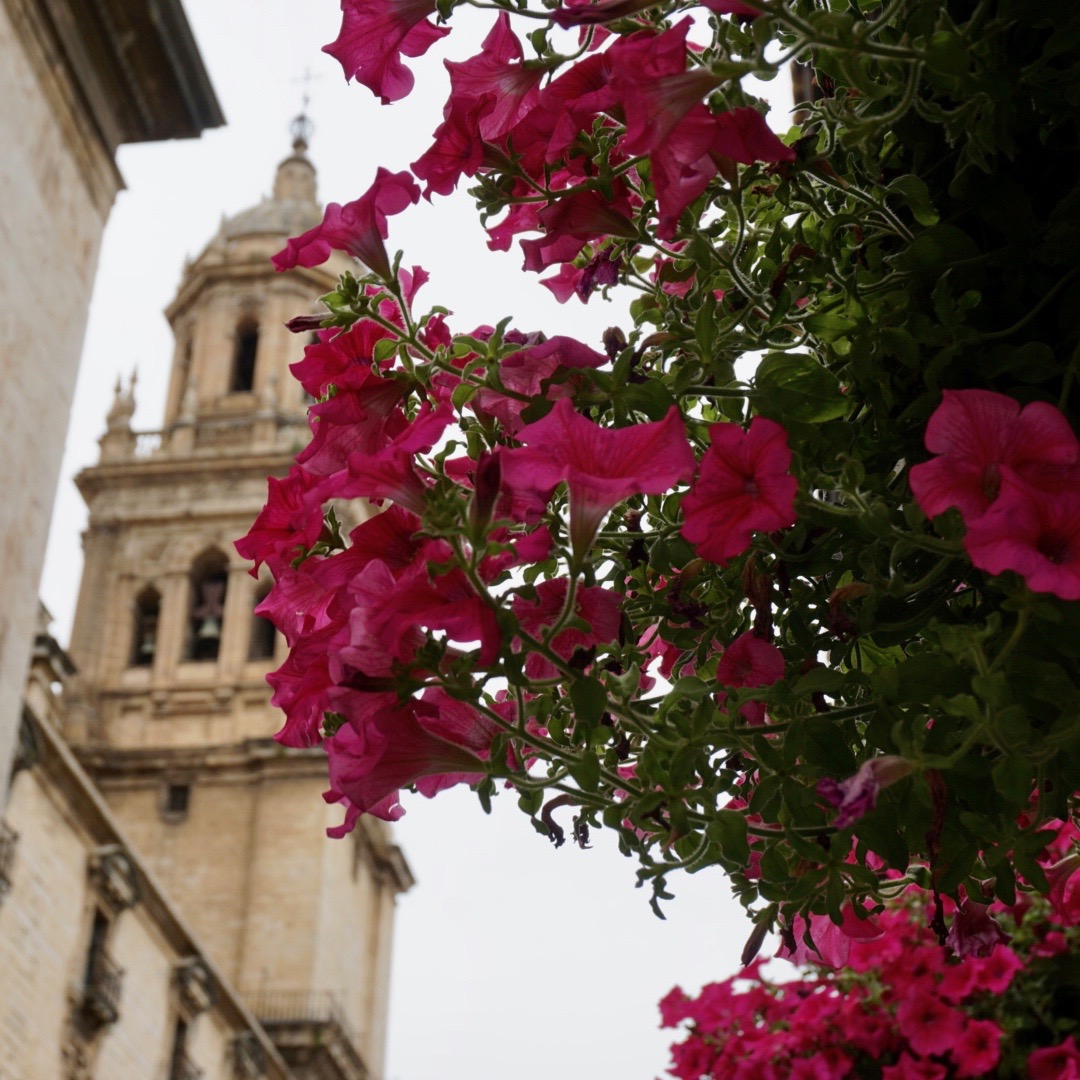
x,y
929,1024
832,943
858,794
498,77
974,932
286,524
433,743
358,227
750,661
1035,534
1061,1062
910,1067
982,438
978,1050
599,608
601,466
743,486
375,34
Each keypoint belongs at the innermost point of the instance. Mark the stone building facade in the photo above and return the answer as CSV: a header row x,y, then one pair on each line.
x,y
77,79
165,713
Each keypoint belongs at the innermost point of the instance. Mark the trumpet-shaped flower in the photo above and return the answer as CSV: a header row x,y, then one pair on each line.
x,y
358,227
1034,534
601,466
982,439
743,487
375,34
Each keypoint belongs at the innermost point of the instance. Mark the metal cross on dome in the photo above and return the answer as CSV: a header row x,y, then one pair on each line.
x,y
301,128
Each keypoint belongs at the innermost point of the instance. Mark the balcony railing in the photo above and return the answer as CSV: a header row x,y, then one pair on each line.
x,y
302,1024
9,839
183,1068
101,994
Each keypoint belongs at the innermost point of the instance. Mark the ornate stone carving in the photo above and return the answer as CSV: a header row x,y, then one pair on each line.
x,y
195,986
114,877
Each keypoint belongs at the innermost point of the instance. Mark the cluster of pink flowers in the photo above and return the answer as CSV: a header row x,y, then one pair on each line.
x,y
1014,475
501,109
902,1008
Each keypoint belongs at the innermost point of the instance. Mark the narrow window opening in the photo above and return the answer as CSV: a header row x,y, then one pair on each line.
x,y
99,932
209,579
144,636
243,368
178,1067
177,799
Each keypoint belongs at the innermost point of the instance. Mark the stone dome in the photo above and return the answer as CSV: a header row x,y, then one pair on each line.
x,y
293,207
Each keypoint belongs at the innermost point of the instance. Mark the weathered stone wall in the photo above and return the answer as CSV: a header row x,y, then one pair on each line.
x,y
51,219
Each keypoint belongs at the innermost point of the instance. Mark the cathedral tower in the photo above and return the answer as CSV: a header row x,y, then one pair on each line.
x,y
172,715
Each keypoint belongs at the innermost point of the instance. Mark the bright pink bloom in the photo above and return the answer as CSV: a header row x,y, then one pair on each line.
x,y
458,150
340,357
433,743
978,1050
363,419
497,76
358,228
375,34
388,473
832,943
750,661
531,373
858,794
743,487
913,1068
1035,534
743,136
601,466
575,220
982,438
928,1023
974,932
599,608
285,525
1061,1062
1064,893
996,971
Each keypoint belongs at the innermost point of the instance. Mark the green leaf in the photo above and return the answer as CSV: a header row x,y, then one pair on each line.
x,y
916,196
1012,778
794,386
586,770
589,699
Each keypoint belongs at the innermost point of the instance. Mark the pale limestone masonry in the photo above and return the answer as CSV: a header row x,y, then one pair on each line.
x,y
60,1016
169,712
77,79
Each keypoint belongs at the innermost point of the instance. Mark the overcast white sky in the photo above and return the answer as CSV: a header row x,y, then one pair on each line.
x,y
512,960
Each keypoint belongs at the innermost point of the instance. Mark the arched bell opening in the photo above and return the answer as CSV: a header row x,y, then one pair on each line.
x,y
245,350
146,617
209,580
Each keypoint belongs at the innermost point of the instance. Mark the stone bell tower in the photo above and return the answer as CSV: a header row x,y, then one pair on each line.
x,y
171,713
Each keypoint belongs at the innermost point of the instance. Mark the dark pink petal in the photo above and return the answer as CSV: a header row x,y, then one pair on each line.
x,y
286,524
601,466
498,77
358,228
374,33
1033,533
743,486
744,136
974,932
983,437
599,608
